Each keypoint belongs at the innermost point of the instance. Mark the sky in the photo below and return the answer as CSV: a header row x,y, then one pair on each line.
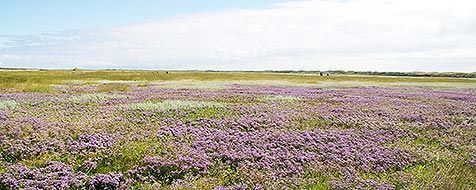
x,y
360,35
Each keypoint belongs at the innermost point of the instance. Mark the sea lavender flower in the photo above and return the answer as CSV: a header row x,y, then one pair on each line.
x,y
54,175
109,181
245,141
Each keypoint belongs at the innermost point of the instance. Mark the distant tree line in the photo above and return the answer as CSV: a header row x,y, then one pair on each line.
x,y
5,68
412,74
409,74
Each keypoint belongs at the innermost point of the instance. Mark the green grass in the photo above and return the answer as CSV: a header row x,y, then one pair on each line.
x,y
314,123
113,87
317,122
193,84
321,184
40,81
207,112
436,174
127,155
8,104
279,98
170,105
447,174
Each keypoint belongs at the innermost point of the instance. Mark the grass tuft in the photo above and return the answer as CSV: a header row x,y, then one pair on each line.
x,y
8,104
113,87
279,98
172,104
95,97
40,88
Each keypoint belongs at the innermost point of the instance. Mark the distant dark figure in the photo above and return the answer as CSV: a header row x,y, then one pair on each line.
x,y
320,74
327,74
166,72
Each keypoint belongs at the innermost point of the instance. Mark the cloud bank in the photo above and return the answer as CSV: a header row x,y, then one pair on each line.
x,y
382,35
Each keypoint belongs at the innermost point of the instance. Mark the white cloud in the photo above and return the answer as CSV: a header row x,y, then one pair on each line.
x,y
429,35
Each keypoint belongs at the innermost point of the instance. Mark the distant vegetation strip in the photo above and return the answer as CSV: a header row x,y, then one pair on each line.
x,y
45,80
330,72
408,74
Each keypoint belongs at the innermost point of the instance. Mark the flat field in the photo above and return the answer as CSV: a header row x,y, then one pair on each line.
x,y
234,130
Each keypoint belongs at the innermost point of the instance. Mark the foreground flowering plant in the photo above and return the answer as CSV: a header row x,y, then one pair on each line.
x,y
238,137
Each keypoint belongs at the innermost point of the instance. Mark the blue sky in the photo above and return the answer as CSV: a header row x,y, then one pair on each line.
x,y
362,35
36,16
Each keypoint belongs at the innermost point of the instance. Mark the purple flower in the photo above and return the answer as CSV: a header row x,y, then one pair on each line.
x,y
107,181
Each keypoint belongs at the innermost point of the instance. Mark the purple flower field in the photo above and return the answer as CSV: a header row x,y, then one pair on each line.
x,y
239,137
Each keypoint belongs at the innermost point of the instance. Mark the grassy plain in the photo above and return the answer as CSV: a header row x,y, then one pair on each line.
x,y
42,81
